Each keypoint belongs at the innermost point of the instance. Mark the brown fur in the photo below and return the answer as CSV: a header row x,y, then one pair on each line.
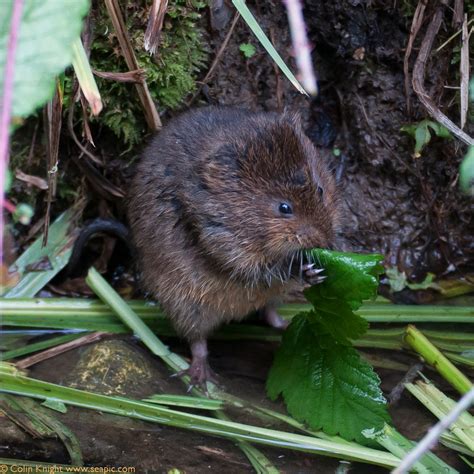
x,y
203,211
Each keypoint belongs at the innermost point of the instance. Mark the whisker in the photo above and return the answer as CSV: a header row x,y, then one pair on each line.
x,y
301,264
291,264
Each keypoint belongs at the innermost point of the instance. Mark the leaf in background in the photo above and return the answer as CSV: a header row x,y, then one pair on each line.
x,y
326,384
57,253
247,49
56,405
422,138
350,277
466,173
83,71
48,31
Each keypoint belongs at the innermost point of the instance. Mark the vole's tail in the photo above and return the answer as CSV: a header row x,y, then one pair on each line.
x,y
97,226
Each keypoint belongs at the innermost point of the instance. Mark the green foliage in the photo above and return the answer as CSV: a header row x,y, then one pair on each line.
x,y
44,48
170,75
248,49
398,281
422,135
321,376
351,277
8,180
466,173
23,214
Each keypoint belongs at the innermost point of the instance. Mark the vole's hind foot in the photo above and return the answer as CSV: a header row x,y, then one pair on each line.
x,y
273,319
312,276
199,371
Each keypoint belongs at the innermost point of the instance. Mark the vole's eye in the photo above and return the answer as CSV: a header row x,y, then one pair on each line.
x,y
320,192
285,208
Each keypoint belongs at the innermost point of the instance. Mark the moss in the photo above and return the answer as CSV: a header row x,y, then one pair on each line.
x,y
170,75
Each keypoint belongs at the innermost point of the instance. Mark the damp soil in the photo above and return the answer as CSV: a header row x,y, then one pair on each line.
x,y
120,366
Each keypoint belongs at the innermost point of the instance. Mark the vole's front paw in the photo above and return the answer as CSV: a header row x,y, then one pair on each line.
x,y
311,275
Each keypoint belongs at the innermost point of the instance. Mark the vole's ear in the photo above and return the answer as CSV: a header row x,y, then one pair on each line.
x,y
292,116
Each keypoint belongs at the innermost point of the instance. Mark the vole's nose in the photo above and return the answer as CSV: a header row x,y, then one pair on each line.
x,y
309,237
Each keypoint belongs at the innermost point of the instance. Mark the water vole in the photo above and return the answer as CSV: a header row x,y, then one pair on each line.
x,y
221,206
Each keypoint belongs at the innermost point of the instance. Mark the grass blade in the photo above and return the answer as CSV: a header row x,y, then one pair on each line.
x,y
199,403
400,446
85,77
440,405
262,37
55,256
39,346
12,381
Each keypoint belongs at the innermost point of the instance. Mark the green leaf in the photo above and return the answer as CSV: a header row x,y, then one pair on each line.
x,y
338,320
47,32
396,279
422,137
350,277
425,284
466,173
54,404
247,49
326,384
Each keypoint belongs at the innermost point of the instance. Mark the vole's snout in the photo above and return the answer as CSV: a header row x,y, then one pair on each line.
x,y
309,237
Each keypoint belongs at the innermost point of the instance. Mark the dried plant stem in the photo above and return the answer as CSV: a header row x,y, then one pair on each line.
x,y
54,351
433,435
151,114
6,105
415,27
418,80
301,47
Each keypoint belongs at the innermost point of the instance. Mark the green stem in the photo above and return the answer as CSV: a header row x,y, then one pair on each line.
x,y
12,381
373,312
41,345
419,343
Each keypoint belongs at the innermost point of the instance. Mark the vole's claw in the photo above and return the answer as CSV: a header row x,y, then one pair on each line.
x,y
312,276
200,373
315,271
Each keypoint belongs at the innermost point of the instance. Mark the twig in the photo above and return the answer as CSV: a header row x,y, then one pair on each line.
x,y
458,14
155,25
151,114
439,48
464,71
54,351
433,435
70,126
414,29
6,105
419,78
409,377
137,76
301,47
53,120
217,59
